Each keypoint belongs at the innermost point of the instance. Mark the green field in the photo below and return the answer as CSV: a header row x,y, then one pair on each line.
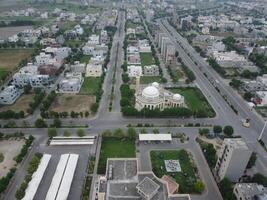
x,y
195,100
114,148
186,179
147,59
85,59
150,79
73,43
91,85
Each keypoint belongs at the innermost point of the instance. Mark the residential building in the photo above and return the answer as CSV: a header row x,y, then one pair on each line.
x,y
233,159
71,83
9,95
29,75
78,67
151,70
134,70
94,69
134,59
250,191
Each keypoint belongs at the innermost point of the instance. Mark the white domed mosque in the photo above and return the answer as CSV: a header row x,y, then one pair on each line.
x,y
154,96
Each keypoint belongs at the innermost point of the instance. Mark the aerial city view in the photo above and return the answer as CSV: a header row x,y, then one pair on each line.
x,y
133,100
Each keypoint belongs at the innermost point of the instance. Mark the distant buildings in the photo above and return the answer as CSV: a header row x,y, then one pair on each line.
x,y
233,159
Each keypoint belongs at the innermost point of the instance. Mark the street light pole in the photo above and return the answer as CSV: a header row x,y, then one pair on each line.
x,y
262,131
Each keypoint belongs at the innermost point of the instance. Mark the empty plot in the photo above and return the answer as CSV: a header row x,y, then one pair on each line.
x,y
72,102
22,104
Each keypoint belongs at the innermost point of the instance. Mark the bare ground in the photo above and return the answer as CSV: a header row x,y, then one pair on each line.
x,y
22,104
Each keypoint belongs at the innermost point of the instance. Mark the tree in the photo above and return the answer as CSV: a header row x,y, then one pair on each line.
x,y
131,133
199,187
260,179
57,123
228,131
235,83
143,130
40,123
80,132
52,132
226,188
27,88
204,131
155,130
94,107
66,133
217,129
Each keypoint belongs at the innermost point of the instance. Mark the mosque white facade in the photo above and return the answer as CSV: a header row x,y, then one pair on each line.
x,y
154,96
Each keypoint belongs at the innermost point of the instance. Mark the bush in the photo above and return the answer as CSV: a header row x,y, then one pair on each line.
x,y
204,131
131,133
52,132
252,160
57,123
66,133
24,149
260,179
226,188
80,132
199,187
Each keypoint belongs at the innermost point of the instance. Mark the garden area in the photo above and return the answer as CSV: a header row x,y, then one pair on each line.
x,y
195,101
186,178
147,59
91,85
113,147
150,79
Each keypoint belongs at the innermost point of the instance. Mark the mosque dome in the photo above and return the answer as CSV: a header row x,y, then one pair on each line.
x,y
150,92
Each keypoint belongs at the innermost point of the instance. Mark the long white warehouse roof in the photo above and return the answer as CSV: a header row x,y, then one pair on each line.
x,y
72,142
155,137
55,184
37,178
73,137
64,189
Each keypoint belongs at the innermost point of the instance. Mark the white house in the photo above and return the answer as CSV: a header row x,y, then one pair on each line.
x,y
132,50
78,67
71,83
9,95
94,69
48,59
13,38
134,70
93,39
29,75
78,29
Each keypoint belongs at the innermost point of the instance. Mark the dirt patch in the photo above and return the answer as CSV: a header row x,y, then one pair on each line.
x,y
10,58
72,102
9,154
22,104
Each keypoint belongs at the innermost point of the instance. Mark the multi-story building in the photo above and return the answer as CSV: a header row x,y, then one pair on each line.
x,y
9,95
71,83
134,70
29,75
94,69
250,191
78,67
151,70
233,159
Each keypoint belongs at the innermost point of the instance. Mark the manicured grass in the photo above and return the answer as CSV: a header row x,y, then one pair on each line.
x,y
85,59
91,85
10,58
147,59
195,100
150,79
186,178
114,148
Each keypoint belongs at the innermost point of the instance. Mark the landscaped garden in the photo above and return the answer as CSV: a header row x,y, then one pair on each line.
x,y
113,147
147,59
91,85
150,79
196,101
186,178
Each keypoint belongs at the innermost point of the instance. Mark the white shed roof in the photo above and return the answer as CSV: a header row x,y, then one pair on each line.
x,y
155,137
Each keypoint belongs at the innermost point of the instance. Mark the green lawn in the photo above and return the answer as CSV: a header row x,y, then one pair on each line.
x,y
147,59
85,59
150,79
91,85
3,74
114,148
195,100
186,179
